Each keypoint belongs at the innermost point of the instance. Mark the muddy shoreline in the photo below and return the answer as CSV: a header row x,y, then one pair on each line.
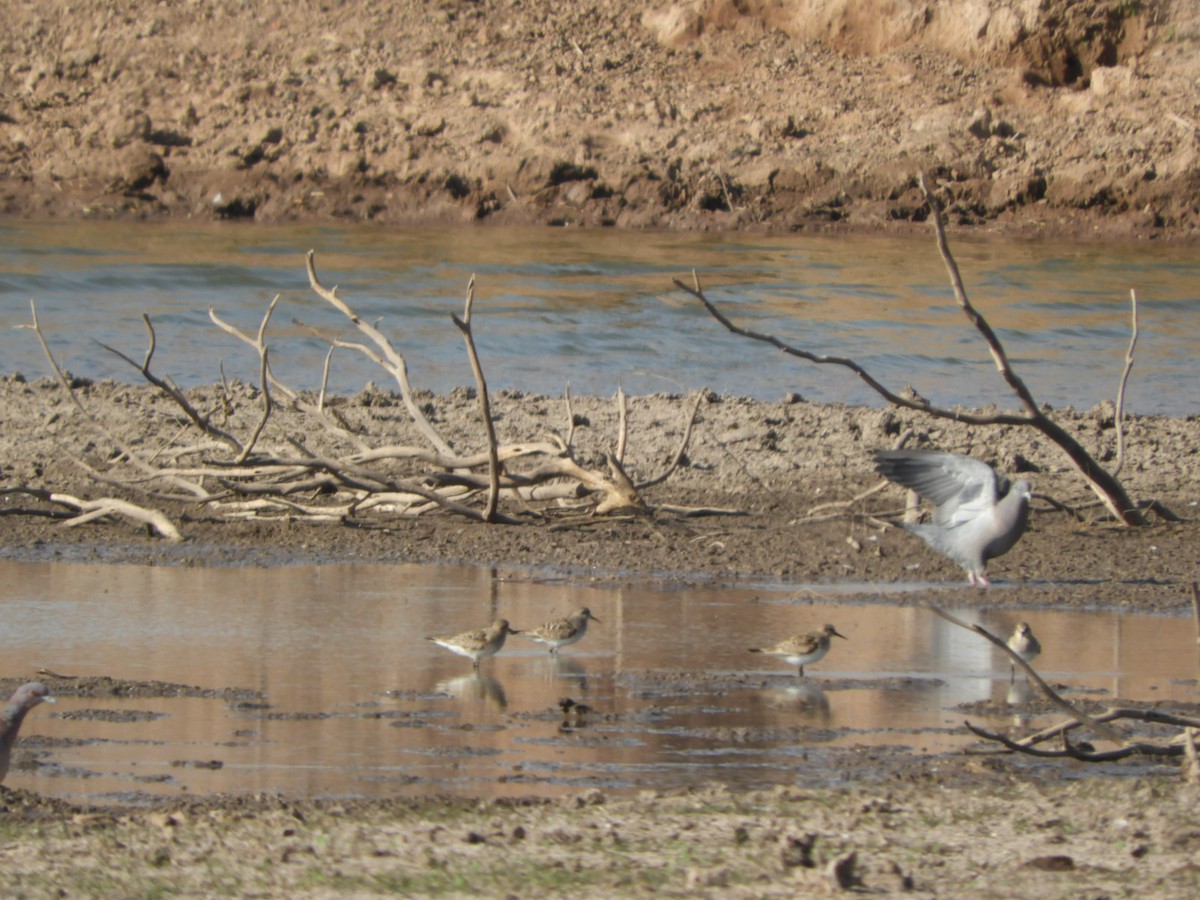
x,y
770,471
904,814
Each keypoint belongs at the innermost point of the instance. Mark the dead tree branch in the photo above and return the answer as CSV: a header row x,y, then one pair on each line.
x,y
1104,484
336,483
485,408
1119,415
391,361
1081,717
103,507
127,452
1099,724
264,368
171,390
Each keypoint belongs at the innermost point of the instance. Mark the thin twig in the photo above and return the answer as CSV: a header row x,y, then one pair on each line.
x,y
325,378
622,424
1196,617
485,409
681,449
394,362
1083,718
171,390
1120,413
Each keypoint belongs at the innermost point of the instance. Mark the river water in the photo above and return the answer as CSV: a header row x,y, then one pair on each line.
x,y
597,309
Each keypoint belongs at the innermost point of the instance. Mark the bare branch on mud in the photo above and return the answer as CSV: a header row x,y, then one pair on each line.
x,y
1105,485
171,390
264,369
127,451
318,412
1196,618
391,361
1081,717
103,507
485,408
340,484
622,425
1119,415
681,450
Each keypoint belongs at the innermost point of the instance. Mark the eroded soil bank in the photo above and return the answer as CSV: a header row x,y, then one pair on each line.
x,y
1057,117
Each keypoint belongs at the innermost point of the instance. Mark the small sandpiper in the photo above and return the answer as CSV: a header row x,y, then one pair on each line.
x,y
560,632
803,648
1024,644
476,644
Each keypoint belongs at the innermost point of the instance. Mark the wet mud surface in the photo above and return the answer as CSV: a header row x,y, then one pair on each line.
x,y
774,464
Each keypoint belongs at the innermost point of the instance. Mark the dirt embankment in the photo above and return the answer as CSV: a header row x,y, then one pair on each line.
x,y
1065,117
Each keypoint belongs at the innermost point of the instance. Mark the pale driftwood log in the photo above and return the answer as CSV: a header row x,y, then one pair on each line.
x,y
1104,484
103,507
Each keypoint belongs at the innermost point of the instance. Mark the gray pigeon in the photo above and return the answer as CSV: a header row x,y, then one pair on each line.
x,y
978,514
25,698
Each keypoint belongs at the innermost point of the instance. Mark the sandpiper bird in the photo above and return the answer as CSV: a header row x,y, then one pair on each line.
x,y
978,514
476,644
803,648
560,632
25,698
1024,644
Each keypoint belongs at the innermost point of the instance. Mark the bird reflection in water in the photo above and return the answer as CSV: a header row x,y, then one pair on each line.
x,y
558,666
477,687
575,714
806,696
1019,695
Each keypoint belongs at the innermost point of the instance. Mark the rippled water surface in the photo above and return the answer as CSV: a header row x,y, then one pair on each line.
x,y
597,308
356,703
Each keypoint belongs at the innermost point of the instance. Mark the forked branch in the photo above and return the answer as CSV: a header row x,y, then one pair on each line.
x,y
1110,491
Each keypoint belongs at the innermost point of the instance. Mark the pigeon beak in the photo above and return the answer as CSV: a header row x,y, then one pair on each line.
x,y
48,699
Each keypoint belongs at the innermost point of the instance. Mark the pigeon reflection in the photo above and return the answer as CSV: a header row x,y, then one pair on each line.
x,y
477,687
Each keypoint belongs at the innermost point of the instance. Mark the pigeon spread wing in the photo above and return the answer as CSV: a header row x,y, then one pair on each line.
x,y
960,488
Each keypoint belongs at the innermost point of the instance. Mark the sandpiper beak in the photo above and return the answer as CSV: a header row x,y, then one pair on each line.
x,y
836,633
